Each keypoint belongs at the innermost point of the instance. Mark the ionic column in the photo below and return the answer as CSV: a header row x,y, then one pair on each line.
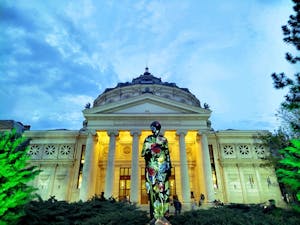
x,y
87,188
207,168
134,179
109,178
185,182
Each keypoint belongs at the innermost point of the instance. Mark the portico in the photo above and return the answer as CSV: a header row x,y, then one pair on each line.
x,y
121,150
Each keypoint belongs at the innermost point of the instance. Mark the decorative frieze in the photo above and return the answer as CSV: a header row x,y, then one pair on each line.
x,y
243,151
228,151
260,151
35,151
66,152
51,151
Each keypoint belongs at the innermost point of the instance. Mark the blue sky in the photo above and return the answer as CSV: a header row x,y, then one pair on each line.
x,y
55,56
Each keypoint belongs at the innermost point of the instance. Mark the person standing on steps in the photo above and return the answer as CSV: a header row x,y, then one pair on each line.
x,y
193,201
177,205
202,198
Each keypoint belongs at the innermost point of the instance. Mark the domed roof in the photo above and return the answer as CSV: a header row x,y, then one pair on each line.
x,y
146,83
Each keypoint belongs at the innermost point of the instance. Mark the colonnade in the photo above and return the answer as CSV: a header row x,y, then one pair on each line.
x,y
89,168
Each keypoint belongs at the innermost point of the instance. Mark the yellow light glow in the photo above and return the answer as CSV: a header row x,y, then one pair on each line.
x,y
102,137
124,136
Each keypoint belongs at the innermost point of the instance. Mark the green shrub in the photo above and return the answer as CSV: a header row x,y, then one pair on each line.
x,y
237,215
94,211
98,212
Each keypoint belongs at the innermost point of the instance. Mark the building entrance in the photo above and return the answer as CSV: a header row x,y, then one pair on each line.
x,y
124,186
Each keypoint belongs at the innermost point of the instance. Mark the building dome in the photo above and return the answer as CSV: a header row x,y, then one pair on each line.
x,y
146,83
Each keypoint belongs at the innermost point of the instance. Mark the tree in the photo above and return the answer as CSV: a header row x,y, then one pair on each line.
x,y
289,121
275,141
288,167
291,33
14,177
289,173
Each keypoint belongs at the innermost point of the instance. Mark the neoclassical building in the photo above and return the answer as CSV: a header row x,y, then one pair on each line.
x,y
105,155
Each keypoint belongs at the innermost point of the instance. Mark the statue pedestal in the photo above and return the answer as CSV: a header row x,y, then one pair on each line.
x,y
160,221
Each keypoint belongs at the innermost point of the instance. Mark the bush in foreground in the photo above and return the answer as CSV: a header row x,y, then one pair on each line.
x,y
237,215
99,212
94,211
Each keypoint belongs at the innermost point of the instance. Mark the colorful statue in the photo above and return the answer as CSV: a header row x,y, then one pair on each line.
x,y
157,171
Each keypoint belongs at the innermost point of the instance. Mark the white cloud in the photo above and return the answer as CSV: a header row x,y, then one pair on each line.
x,y
77,100
81,10
223,52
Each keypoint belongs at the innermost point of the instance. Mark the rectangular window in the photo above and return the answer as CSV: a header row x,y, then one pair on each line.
x,y
124,186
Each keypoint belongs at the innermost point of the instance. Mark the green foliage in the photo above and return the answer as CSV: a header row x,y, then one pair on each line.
x,y
291,32
289,172
275,141
14,176
95,211
290,121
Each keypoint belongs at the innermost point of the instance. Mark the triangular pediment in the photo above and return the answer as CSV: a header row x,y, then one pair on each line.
x,y
146,103
147,107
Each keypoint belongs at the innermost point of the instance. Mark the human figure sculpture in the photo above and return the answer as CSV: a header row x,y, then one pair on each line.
x,y
157,171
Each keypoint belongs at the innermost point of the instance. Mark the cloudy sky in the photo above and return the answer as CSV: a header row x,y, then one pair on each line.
x,y
56,56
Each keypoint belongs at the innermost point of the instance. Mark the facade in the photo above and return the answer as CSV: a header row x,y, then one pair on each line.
x,y
105,155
